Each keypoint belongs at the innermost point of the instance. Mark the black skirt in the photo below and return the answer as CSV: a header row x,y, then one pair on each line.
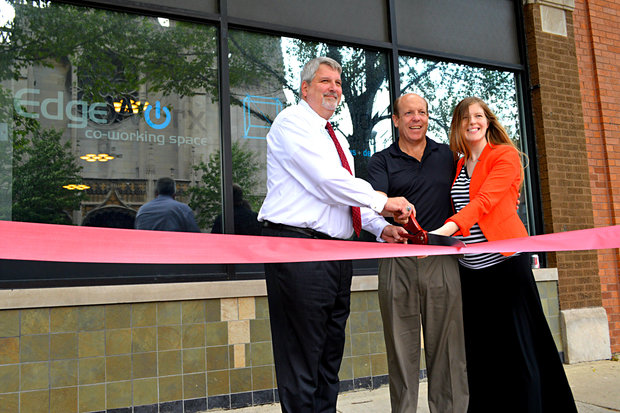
x,y
512,361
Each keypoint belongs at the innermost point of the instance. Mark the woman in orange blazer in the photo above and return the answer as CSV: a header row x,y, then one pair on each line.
x,y
512,361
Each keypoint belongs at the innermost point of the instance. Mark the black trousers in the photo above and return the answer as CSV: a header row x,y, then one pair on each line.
x,y
513,364
309,303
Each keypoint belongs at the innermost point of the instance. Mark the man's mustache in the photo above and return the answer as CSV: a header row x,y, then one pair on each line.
x,y
334,95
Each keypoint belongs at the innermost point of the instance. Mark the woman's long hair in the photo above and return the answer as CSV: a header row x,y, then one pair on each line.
x,y
496,134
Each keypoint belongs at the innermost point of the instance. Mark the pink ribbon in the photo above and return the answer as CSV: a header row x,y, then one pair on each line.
x,y
64,243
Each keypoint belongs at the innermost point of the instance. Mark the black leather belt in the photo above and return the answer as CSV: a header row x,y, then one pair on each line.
x,y
306,231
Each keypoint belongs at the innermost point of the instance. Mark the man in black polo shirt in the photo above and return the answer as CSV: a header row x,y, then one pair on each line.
x,y
426,290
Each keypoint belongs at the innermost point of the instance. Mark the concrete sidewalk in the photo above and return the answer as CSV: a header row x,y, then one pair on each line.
x,y
596,387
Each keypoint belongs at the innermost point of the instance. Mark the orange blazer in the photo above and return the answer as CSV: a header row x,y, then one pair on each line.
x,y
493,193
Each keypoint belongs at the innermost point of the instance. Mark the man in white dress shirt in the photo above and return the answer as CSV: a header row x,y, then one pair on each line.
x,y
310,194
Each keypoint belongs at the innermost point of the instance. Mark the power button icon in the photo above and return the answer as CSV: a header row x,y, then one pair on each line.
x,y
158,116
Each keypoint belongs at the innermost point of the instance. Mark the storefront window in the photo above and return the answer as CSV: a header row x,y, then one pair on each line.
x,y
445,84
98,105
265,78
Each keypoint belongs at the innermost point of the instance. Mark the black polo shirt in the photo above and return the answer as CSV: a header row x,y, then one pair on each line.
x,y
426,183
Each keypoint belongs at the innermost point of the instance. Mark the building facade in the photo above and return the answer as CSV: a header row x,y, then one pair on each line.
x,y
115,94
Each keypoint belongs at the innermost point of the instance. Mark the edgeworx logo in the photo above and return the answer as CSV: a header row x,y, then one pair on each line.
x,y
78,112
158,110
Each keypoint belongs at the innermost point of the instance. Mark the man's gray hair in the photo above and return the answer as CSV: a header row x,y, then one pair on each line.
x,y
310,68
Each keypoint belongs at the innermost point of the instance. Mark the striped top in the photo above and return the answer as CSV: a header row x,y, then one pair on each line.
x,y
460,198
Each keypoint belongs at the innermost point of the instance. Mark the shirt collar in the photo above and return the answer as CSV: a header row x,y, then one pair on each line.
x,y
314,117
395,150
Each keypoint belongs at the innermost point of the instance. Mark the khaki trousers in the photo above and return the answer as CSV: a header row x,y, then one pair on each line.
x,y
427,292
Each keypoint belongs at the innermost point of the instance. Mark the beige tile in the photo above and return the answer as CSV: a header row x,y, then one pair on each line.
x,y
144,391
230,309
63,373
9,378
63,319
247,308
91,343
91,398
9,323
35,321
238,332
64,400
118,394
239,356
35,401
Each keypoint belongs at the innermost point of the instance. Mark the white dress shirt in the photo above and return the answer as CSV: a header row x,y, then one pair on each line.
x,y
307,186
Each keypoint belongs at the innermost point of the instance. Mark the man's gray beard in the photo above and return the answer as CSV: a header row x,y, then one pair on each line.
x,y
327,105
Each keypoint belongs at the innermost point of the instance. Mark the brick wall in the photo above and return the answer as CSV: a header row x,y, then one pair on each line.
x,y
597,39
562,156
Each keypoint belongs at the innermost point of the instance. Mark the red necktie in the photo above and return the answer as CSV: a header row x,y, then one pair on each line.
x,y
355,211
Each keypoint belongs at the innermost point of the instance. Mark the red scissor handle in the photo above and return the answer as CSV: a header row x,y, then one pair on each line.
x,y
417,234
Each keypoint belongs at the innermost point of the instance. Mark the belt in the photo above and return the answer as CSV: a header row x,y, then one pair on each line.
x,y
305,231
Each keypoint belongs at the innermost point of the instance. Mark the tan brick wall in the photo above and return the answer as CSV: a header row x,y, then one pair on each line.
x,y
562,155
597,39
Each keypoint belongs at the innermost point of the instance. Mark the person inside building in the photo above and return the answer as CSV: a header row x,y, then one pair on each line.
x,y
420,291
246,220
512,360
312,193
164,213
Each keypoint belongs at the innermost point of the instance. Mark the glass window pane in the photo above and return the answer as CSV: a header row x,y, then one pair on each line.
x,y
445,84
265,78
103,104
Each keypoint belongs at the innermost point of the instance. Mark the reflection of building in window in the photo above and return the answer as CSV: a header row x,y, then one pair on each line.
x,y
258,114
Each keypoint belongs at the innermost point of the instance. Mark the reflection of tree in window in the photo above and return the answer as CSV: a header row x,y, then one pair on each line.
x,y
119,104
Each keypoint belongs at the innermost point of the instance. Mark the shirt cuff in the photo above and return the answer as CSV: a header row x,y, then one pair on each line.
x,y
377,203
